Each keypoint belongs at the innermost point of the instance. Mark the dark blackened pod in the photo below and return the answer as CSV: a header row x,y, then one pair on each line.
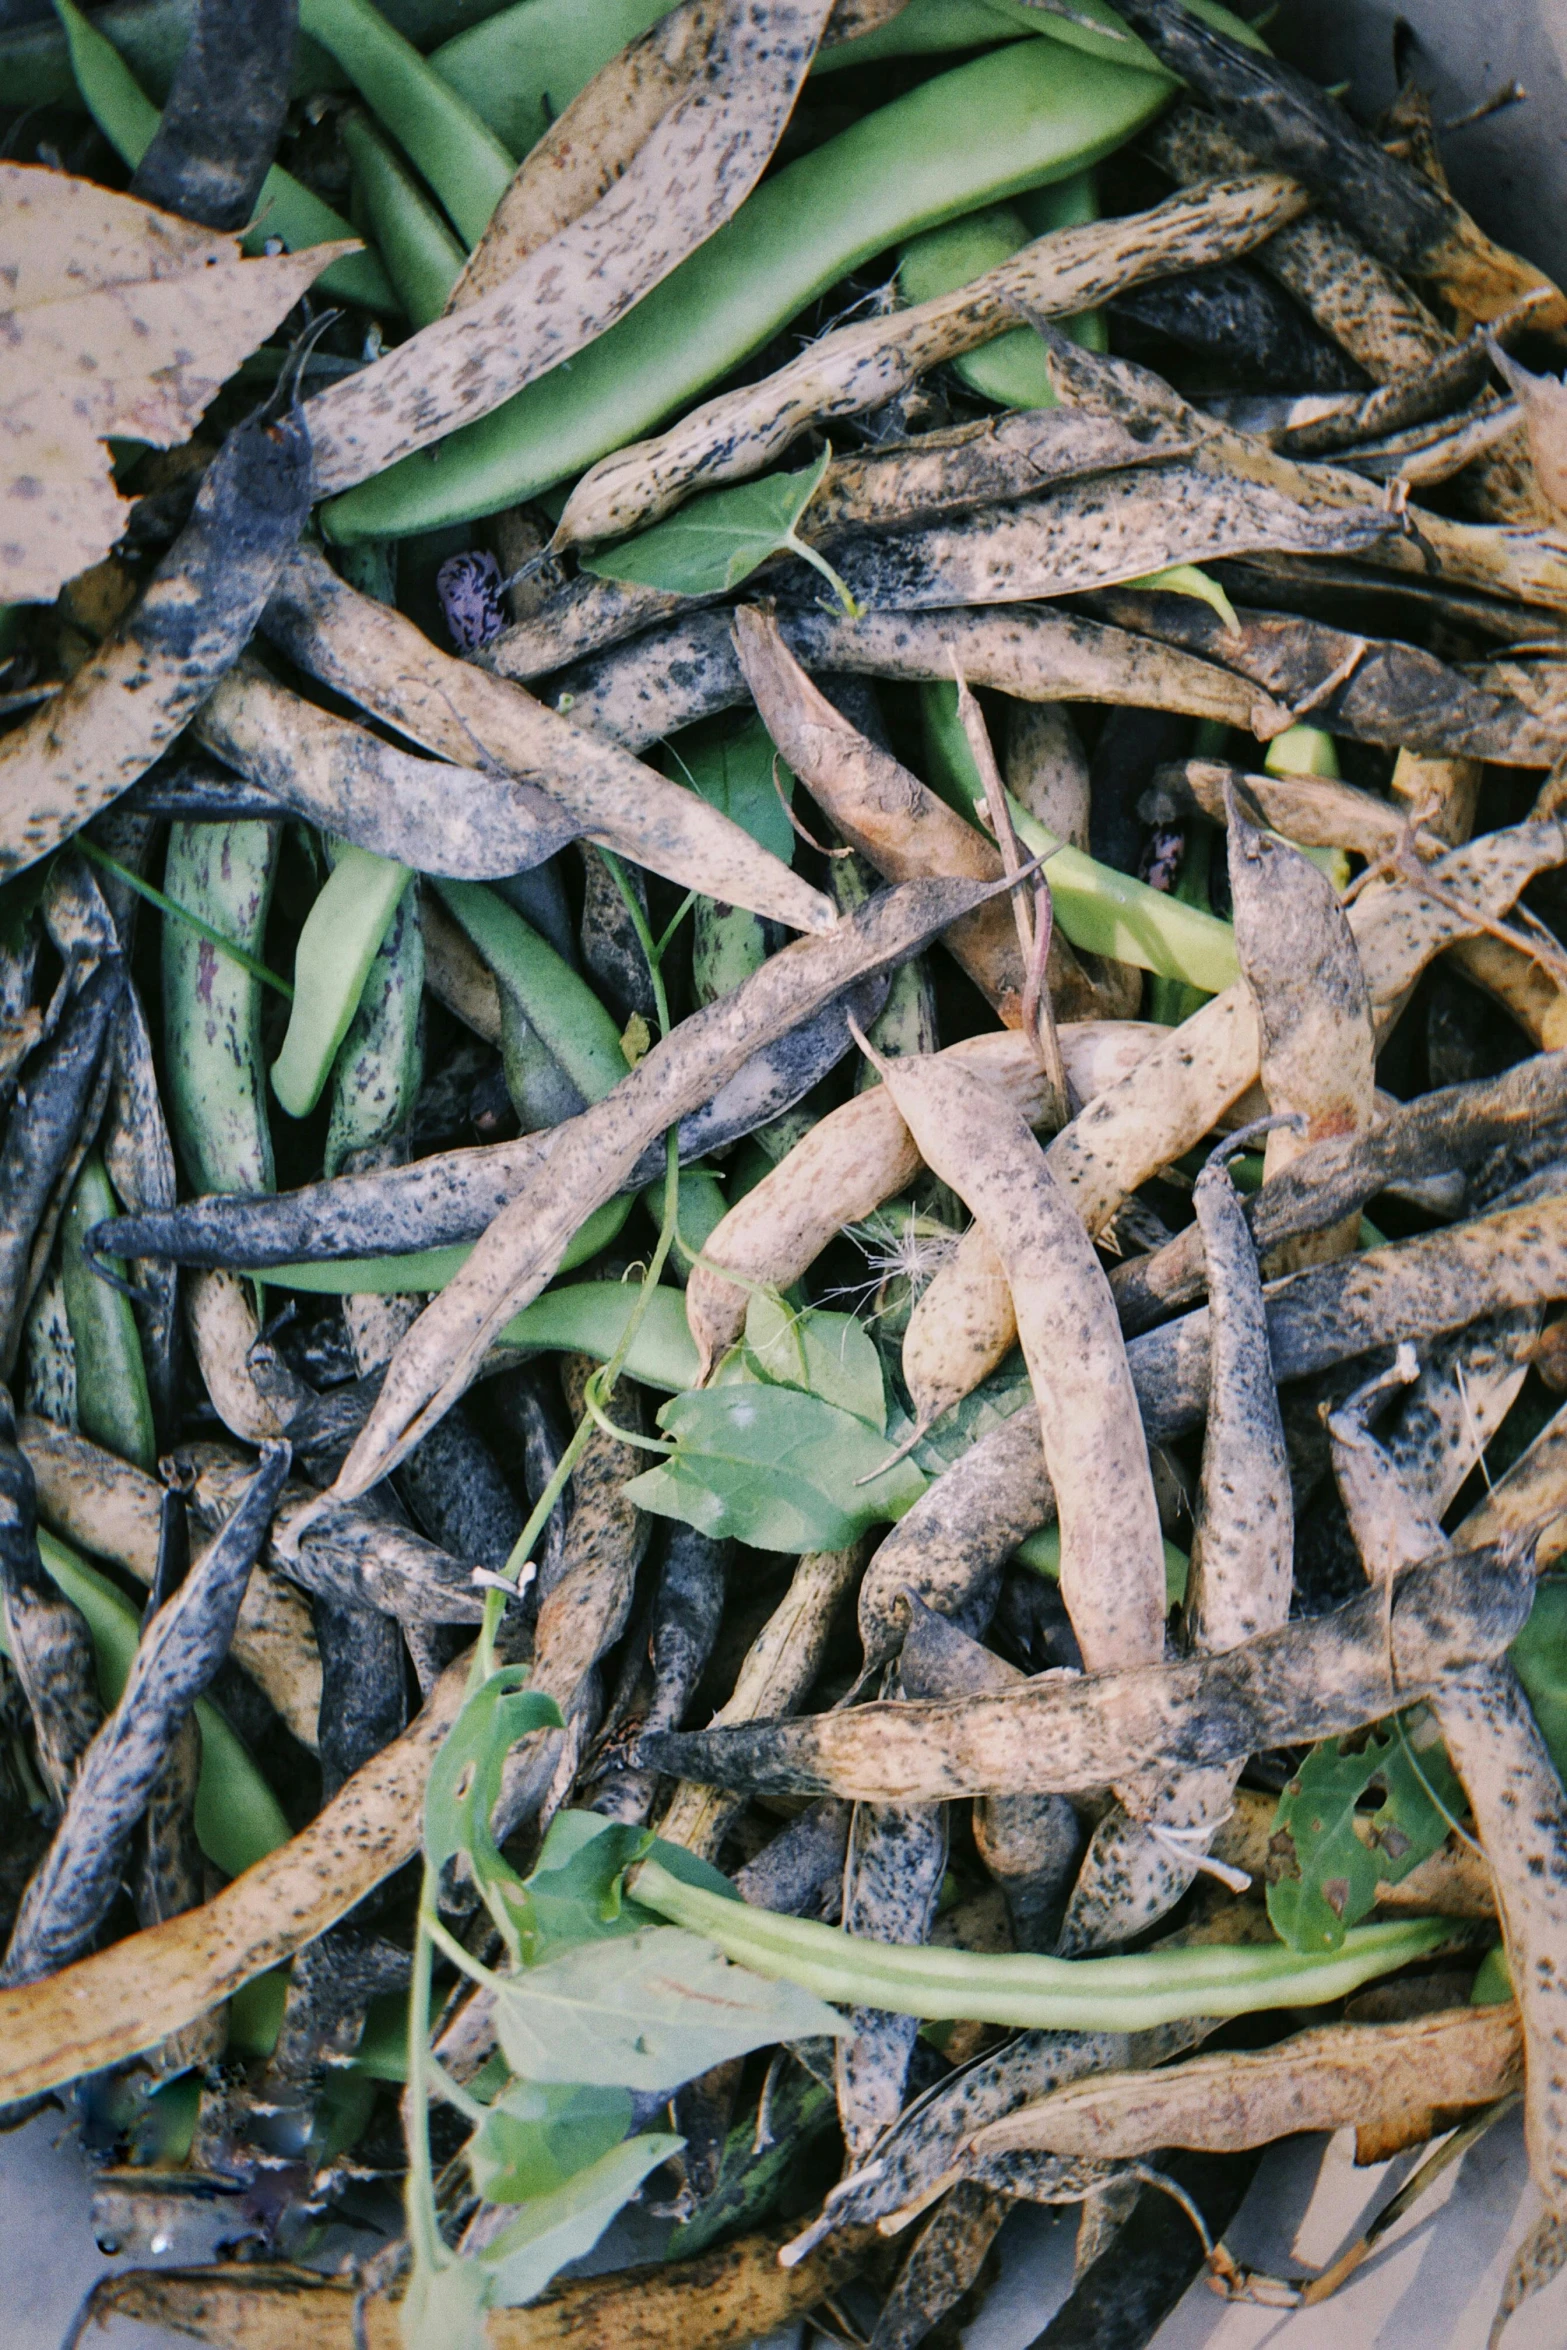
x,y
1132,743
50,1646
611,948
1232,314
896,1861
139,1157
46,1134
532,1429
1124,2296
331,1983
183,1647
1283,118
169,1876
686,1616
364,1701
126,704
773,1080
942,2265
219,130
1029,1843
456,1491
800,1872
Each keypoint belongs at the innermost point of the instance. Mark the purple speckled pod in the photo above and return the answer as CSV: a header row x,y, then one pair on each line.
x,y
469,587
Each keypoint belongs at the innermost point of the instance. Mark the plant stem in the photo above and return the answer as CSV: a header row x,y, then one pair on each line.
x,y
166,905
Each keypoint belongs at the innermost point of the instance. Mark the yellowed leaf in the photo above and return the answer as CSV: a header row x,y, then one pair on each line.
x,y
118,319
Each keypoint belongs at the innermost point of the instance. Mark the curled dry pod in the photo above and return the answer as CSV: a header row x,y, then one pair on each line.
x,y
1314,1019
129,701
1112,1556
596,1154
1062,1736
1514,1788
1241,1572
186,1643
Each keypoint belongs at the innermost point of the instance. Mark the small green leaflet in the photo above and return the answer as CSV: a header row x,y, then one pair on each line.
x,y
830,1355
1322,1877
717,540
465,1782
775,1468
733,771
646,2012
1187,579
575,1894
536,2137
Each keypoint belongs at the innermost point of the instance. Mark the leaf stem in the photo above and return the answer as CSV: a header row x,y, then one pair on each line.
x,y
819,562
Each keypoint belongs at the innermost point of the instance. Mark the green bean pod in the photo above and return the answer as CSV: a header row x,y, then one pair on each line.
x,y
238,1818
458,154
287,210
423,259
1099,909
558,1005
1029,1992
1012,370
1019,118
541,1092
727,946
212,1005
113,1405
377,1073
429,1269
337,948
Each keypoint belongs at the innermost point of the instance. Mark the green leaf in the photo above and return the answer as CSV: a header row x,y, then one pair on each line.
x,y
647,2012
1326,1877
775,1468
538,2135
465,1782
1539,1656
1006,1391
733,771
552,2229
829,1355
716,541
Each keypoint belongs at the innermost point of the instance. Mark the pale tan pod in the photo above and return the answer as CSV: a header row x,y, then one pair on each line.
x,y
1112,1553
223,1329
862,1154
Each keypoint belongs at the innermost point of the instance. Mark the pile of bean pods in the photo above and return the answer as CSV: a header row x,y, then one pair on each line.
x,y
783,985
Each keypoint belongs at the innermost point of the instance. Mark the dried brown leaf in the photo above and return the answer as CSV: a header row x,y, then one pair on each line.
x,y
120,319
